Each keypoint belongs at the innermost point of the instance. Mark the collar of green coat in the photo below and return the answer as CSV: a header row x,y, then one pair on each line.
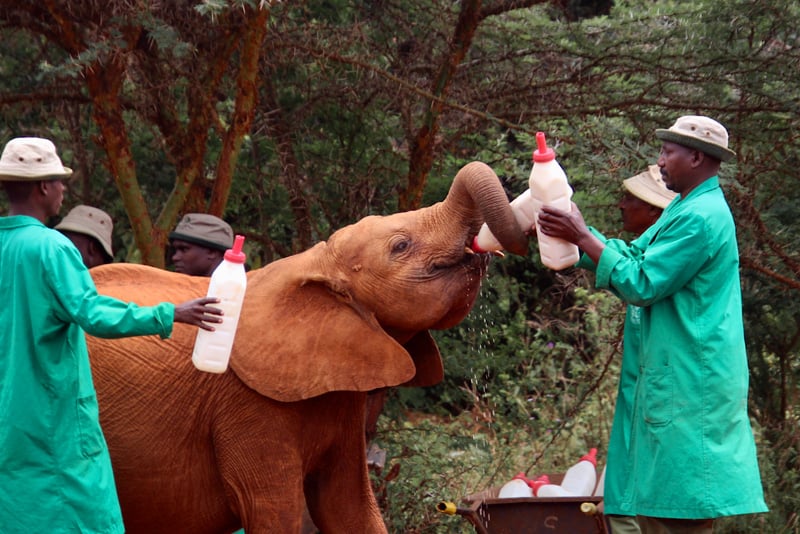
x,y
15,221
708,185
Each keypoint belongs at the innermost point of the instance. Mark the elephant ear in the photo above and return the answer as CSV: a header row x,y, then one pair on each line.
x,y
427,360
300,336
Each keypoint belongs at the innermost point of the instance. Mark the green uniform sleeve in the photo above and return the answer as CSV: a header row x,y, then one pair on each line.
x,y
100,315
675,253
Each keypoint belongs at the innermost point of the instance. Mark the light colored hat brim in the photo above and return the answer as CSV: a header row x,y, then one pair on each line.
x,y
24,175
716,151
647,188
31,159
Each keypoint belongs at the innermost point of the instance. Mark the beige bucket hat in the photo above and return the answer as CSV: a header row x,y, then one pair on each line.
x,y
204,230
650,187
701,133
90,221
31,159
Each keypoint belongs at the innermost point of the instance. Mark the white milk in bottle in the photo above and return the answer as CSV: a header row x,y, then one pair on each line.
x,y
548,185
517,487
212,350
580,479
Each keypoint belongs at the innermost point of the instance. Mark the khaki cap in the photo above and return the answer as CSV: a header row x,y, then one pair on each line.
x,y
205,230
89,221
701,133
650,187
28,159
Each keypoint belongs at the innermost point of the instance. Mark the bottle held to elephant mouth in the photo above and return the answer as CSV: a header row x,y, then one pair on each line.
x,y
522,207
212,350
547,185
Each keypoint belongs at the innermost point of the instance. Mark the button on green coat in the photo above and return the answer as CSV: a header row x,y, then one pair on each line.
x,y
691,448
55,470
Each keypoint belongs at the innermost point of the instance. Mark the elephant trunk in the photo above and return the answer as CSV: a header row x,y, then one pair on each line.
x,y
477,191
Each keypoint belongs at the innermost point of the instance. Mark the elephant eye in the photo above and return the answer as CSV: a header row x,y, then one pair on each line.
x,y
400,246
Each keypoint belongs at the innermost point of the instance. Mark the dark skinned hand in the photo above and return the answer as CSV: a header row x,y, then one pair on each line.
x,y
570,227
197,312
566,225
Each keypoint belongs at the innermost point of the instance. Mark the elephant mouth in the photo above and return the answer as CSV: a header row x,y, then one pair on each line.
x,y
469,259
470,250
471,266
470,263
481,257
464,280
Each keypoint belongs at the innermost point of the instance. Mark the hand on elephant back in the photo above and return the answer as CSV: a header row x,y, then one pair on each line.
x,y
198,313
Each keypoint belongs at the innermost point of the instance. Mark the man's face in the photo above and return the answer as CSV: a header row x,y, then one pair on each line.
x,y
195,260
54,196
637,215
91,250
675,162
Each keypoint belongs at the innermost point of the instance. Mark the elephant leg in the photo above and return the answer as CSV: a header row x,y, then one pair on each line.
x,y
375,401
338,491
340,506
262,465
275,508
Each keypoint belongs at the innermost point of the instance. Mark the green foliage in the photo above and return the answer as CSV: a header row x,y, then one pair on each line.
x,y
519,395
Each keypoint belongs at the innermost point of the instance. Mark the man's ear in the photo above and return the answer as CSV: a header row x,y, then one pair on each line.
x,y
45,186
698,158
96,250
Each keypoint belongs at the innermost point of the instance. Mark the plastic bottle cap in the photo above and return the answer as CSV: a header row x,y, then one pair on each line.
x,y
591,456
235,254
538,483
520,476
542,154
476,247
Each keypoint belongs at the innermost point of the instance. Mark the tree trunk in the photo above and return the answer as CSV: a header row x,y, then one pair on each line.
x,y
246,98
424,143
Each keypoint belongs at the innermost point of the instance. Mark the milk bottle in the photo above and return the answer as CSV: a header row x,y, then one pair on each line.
x,y
548,185
516,487
212,350
580,479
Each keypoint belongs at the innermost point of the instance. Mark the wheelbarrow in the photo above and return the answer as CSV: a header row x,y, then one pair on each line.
x,y
531,515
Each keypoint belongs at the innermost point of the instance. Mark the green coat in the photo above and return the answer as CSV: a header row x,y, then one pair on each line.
x,y
690,449
55,471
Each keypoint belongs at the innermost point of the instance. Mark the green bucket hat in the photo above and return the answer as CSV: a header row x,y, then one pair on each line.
x,y
204,230
701,133
30,159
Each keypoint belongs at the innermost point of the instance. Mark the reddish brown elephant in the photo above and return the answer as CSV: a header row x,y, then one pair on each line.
x,y
284,426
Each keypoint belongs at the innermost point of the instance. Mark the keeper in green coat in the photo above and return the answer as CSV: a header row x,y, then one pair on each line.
x,y
55,470
692,454
644,201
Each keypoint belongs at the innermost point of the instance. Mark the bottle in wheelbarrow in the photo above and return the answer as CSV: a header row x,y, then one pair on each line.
x,y
519,486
